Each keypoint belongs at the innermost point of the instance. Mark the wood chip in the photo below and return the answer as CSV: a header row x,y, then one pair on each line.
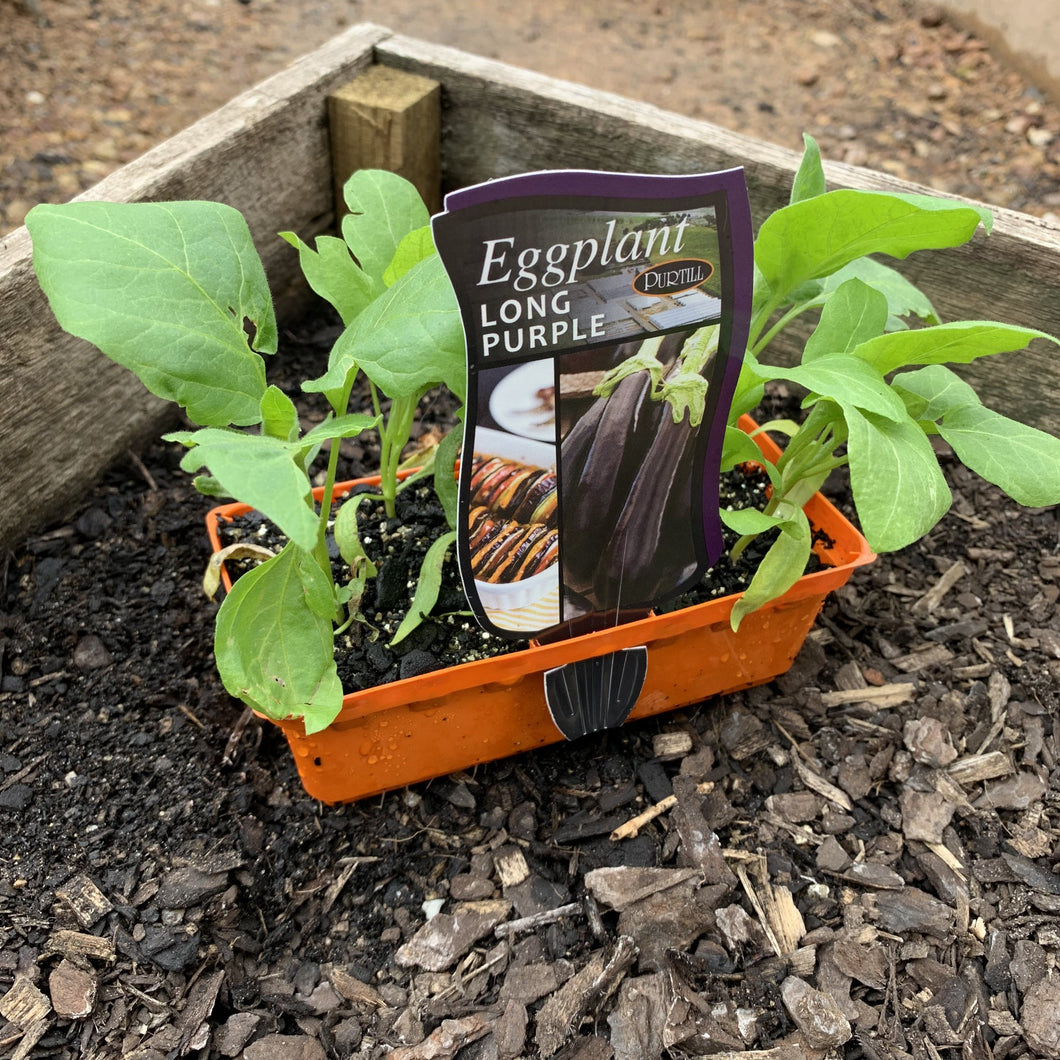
x,y
511,867
632,827
88,902
666,746
934,596
780,919
78,945
72,990
817,783
446,1041
24,1004
973,769
620,886
354,991
889,695
925,659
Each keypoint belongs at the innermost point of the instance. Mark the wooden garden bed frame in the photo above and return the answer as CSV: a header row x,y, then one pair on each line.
x,y
66,412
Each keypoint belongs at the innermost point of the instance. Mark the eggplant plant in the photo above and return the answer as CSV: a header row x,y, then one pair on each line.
x,y
877,390
177,293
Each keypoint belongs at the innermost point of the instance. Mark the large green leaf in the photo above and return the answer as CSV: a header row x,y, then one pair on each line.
x,y
408,340
384,209
333,274
163,289
959,342
273,650
899,490
848,381
1023,461
853,314
814,237
266,472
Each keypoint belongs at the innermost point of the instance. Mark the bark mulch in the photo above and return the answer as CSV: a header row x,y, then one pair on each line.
x,y
861,858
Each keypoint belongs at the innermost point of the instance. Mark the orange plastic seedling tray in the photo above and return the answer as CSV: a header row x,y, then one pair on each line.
x,y
450,720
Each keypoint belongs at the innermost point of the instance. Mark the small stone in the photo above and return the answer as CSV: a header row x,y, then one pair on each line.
x,y
1038,137
1039,1016
91,653
815,1014
72,990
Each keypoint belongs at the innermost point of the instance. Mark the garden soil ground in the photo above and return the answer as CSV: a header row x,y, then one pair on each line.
x,y
861,857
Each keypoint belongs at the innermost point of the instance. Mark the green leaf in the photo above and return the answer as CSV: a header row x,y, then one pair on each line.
x,y
384,209
1023,461
333,274
959,342
266,472
848,381
407,341
279,417
163,289
813,238
781,567
318,587
347,536
411,251
739,448
932,392
809,180
428,585
899,491
273,651
445,484
904,299
853,314
750,521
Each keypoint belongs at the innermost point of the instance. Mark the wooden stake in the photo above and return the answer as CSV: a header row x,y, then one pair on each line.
x,y
388,119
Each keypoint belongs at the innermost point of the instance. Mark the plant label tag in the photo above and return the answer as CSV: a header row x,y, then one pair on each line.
x,y
605,315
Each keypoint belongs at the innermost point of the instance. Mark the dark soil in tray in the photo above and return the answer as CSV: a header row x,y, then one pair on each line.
x,y
861,858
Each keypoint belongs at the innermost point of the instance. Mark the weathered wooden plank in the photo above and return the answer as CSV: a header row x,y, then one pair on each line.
x,y
499,120
66,412
388,119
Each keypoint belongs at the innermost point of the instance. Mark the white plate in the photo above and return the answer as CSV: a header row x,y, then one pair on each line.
x,y
514,403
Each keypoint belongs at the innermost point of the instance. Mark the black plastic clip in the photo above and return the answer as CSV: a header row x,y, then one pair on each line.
x,y
589,695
